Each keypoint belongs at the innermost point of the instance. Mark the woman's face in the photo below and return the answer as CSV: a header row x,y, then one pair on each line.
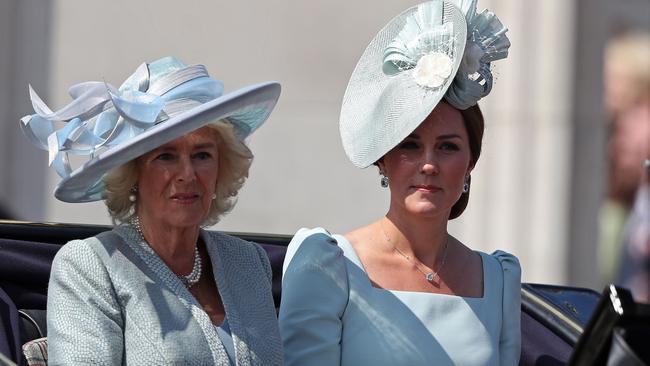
x,y
427,170
177,180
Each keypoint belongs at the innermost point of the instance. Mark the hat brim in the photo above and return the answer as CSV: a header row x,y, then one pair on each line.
x,y
246,108
379,110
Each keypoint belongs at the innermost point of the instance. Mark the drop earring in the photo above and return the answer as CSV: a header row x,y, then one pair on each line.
x,y
466,185
132,195
384,180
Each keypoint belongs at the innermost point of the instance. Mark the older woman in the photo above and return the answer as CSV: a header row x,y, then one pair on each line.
x,y
402,290
157,289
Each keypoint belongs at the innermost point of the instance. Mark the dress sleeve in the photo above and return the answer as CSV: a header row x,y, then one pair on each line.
x,y
84,319
510,341
314,297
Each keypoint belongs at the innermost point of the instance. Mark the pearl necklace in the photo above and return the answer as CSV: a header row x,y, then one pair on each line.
x,y
194,276
429,276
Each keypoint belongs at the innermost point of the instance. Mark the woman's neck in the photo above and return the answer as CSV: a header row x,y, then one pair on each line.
x,y
421,238
173,244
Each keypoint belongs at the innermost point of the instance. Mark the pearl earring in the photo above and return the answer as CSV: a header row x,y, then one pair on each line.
x,y
132,196
214,196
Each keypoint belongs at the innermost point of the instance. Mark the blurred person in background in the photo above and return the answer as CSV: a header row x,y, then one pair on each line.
x,y
627,101
634,271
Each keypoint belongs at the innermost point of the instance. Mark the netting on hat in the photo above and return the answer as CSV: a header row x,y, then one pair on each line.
x,y
384,102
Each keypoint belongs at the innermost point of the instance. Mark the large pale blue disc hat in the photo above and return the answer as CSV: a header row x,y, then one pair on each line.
x,y
158,103
434,50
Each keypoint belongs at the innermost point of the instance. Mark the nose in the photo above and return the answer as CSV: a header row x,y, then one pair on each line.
x,y
430,164
186,171
429,168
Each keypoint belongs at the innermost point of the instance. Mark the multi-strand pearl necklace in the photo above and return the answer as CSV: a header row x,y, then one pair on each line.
x,y
194,276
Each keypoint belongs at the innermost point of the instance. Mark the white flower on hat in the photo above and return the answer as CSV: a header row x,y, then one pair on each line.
x,y
432,70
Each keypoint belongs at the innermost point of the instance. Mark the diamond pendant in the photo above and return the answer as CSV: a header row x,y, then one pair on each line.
x,y
429,276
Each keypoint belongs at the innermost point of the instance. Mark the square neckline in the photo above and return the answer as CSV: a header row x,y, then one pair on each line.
x,y
358,262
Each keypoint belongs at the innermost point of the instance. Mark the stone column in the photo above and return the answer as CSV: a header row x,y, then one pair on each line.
x,y
24,40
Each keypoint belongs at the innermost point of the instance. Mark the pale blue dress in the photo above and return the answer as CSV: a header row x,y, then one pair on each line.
x,y
331,315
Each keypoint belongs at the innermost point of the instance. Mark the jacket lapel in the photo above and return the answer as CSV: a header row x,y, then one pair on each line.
x,y
223,267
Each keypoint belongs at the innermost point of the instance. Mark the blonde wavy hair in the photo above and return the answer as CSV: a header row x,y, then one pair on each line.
x,y
235,159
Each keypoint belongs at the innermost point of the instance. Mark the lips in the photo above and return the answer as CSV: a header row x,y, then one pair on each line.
x,y
185,198
426,188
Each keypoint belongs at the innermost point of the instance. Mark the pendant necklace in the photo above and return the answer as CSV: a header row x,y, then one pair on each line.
x,y
428,275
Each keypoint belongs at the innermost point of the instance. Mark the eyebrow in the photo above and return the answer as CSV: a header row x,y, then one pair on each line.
x,y
205,145
441,137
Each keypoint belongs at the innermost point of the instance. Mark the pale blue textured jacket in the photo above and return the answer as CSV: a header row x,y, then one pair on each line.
x,y
112,302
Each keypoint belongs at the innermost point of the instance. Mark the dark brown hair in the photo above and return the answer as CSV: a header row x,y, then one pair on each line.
x,y
475,126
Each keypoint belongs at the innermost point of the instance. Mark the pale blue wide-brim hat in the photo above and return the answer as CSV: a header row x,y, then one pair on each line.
x,y
158,103
434,50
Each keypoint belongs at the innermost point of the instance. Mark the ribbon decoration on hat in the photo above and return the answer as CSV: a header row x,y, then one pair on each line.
x,y
102,116
424,46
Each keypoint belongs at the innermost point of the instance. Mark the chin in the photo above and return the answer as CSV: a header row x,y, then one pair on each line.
x,y
187,220
426,209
